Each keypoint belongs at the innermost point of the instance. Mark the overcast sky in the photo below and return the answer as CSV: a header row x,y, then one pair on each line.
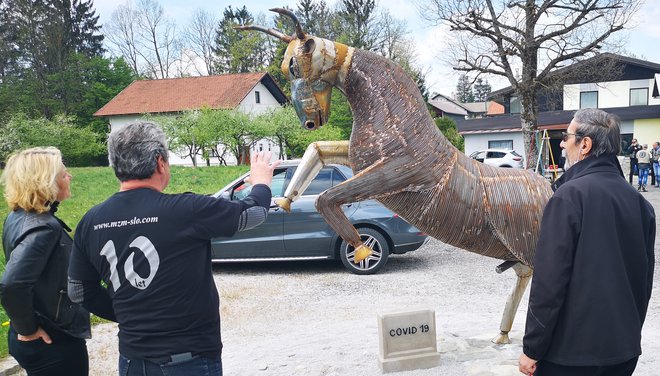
x,y
643,38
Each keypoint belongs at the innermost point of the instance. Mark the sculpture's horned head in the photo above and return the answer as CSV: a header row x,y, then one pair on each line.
x,y
314,66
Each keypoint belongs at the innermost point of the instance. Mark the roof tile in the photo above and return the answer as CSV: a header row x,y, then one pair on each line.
x,y
179,94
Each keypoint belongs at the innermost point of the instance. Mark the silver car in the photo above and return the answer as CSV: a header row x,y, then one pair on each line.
x,y
303,234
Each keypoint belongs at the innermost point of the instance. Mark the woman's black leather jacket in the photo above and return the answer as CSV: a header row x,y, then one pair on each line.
x,y
34,286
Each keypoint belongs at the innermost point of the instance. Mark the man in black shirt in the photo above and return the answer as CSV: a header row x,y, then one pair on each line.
x,y
152,250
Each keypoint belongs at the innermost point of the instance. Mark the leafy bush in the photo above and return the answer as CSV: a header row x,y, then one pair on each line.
x,y
79,146
448,128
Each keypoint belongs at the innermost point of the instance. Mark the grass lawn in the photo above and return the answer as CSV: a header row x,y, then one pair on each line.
x,y
92,185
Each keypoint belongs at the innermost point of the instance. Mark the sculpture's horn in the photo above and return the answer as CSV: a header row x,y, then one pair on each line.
x,y
299,31
273,32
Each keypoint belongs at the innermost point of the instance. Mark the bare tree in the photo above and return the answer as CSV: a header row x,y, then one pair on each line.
x,y
145,38
526,40
393,35
158,38
200,37
121,33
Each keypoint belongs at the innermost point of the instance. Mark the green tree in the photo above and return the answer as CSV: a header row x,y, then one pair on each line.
x,y
316,18
240,51
464,89
79,147
281,125
186,135
9,53
448,128
104,78
481,90
341,115
358,23
42,53
237,132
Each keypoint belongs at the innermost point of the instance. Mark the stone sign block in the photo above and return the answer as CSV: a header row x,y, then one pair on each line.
x,y
407,341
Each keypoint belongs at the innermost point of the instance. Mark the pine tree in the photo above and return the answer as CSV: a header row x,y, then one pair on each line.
x,y
47,47
481,90
357,18
240,51
464,90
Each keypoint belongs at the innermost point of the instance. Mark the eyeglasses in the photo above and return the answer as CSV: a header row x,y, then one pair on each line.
x,y
564,135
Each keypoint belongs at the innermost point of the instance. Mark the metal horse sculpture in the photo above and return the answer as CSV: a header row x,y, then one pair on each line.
x,y
401,159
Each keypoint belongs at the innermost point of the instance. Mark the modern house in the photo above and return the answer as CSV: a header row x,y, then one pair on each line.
x,y
625,89
445,107
251,93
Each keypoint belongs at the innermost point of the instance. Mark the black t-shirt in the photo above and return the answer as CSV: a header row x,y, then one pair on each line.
x,y
153,252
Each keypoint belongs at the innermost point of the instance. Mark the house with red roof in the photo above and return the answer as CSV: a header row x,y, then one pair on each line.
x,y
251,93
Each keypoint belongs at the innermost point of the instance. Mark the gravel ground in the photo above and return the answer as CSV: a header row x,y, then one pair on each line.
x,y
314,318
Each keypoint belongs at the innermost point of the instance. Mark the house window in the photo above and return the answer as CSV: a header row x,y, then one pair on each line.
x,y
639,97
257,97
589,99
500,144
514,105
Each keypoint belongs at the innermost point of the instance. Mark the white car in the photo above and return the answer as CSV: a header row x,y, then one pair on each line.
x,y
499,158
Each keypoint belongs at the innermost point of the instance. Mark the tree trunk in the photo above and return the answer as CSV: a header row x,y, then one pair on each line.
x,y
529,124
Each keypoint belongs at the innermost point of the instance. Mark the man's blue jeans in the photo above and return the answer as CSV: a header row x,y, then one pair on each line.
x,y
656,171
195,366
643,175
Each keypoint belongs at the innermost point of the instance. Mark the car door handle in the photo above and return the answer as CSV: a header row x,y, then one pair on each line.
x,y
275,207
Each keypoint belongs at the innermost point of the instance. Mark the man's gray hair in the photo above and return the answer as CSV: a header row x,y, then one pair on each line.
x,y
133,150
602,128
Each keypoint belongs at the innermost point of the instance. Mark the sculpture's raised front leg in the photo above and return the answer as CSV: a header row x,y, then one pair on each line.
x,y
524,274
317,155
368,183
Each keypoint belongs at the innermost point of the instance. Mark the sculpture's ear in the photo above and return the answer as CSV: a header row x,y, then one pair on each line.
x,y
309,46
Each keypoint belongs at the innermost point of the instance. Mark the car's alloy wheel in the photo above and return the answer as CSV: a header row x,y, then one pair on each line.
x,y
372,264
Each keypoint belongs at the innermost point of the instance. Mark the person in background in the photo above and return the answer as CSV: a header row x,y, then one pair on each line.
x,y
643,167
153,252
655,156
47,332
594,262
632,152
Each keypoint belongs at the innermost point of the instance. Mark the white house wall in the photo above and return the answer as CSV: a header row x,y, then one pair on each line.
x,y
117,122
610,94
248,105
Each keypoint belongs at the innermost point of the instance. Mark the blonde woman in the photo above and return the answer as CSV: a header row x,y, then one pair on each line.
x,y
47,332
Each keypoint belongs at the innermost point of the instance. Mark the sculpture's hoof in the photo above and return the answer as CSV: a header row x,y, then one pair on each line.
x,y
361,253
284,203
501,339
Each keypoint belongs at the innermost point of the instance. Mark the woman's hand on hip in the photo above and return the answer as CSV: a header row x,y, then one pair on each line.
x,y
39,334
